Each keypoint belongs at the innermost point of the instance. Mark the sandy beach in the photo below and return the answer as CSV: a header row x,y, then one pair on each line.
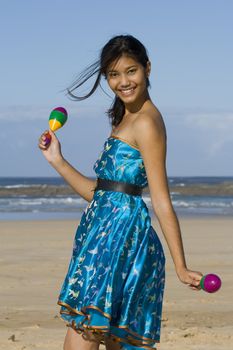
x,y
34,258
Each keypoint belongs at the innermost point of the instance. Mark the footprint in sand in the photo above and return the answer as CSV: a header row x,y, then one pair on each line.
x,y
12,337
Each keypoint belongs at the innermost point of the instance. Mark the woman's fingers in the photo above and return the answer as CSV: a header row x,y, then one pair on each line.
x,y
47,135
191,278
194,287
42,142
194,280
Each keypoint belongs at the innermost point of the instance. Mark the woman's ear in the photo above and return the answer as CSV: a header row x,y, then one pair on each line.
x,y
148,69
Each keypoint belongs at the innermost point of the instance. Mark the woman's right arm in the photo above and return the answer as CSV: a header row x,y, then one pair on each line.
x,y
80,183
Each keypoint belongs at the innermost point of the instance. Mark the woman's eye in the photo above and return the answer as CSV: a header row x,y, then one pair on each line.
x,y
112,74
132,71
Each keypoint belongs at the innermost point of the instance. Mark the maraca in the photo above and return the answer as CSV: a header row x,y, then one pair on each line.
x,y
210,283
57,119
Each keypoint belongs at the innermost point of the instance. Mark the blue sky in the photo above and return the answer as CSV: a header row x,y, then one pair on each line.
x,y
45,44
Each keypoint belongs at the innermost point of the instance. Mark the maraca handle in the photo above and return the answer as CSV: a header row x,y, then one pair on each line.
x,y
47,138
202,283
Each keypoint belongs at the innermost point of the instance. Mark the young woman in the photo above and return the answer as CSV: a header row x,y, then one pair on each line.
x,y
113,290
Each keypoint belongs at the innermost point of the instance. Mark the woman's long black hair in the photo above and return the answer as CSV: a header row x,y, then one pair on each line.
x,y
115,48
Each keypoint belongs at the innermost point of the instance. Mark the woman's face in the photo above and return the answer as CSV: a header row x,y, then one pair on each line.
x,y
128,79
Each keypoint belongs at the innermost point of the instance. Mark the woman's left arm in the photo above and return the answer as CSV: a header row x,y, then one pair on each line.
x,y
150,135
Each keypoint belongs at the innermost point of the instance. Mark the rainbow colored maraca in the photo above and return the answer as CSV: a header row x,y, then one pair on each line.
x,y
57,119
210,283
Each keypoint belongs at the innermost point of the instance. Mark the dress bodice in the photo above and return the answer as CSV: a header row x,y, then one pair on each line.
x,y
120,161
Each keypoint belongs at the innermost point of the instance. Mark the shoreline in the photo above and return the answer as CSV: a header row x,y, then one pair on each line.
x,y
49,190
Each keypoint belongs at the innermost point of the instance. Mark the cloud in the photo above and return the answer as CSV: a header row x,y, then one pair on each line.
x,y
220,122
20,113
217,128
213,129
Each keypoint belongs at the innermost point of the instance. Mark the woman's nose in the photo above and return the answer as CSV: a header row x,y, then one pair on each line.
x,y
124,80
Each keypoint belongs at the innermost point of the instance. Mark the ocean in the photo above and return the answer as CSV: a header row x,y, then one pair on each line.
x,y
40,198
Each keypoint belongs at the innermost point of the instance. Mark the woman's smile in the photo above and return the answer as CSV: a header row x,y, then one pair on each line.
x,y
127,91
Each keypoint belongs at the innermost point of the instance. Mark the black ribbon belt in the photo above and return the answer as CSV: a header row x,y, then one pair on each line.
x,y
109,185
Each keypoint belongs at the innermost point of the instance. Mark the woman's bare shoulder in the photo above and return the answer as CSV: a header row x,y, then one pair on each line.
x,y
149,121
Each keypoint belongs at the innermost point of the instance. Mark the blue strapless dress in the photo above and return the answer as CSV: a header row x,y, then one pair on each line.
x,y
115,281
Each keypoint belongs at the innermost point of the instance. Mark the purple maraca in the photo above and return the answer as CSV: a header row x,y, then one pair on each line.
x,y
210,283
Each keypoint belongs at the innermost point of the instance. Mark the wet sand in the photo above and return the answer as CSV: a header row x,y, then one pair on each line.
x,y
34,257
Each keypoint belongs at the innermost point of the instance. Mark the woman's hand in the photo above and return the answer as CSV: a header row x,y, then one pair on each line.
x,y
191,278
51,151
